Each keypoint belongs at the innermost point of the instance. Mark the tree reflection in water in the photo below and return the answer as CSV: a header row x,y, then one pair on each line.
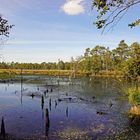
x,y
47,123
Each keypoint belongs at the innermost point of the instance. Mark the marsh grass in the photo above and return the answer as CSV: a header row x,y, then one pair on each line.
x,y
133,95
56,72
6,75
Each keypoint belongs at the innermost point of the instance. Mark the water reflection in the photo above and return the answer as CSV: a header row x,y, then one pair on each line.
x,y
21,87
67,112
51,89
38,88
82,106
42,102
5,88
3,132
50,104
55,104
32,95
47,123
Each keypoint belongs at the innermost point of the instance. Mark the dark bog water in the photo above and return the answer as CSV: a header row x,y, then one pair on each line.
x,y
41,108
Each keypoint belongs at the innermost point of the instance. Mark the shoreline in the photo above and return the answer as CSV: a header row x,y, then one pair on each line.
x,y
69,73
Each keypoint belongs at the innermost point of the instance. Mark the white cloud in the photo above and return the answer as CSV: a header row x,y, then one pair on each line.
x,y
73,7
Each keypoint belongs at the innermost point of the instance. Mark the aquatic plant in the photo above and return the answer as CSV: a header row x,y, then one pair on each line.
x,y
133,95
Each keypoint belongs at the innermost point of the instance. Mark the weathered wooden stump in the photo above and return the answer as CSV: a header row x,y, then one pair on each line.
x,y
47,125
3,132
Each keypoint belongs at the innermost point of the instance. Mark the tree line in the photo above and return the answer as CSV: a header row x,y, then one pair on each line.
x,y
36,66
124,59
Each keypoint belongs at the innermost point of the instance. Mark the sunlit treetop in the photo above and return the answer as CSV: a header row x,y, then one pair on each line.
x,y
110,12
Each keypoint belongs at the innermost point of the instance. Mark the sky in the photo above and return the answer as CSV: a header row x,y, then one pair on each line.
x,y
48,30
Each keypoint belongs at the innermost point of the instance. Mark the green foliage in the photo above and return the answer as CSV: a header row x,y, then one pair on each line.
x,y
135,23
132,68
110,12
100,23
4,27
135,49
134,96
61,65
121,54
123,59
6,75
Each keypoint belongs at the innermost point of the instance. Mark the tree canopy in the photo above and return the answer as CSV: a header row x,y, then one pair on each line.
x,y
110,12
4,27
123,59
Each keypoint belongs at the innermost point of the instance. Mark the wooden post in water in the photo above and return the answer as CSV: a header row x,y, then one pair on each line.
x,y
55,103
47,123
42,102
67,112
21,84
51,89
21,78
50,104
3,133
58,72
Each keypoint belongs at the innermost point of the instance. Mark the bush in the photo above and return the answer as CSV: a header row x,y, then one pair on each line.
x,y
134,96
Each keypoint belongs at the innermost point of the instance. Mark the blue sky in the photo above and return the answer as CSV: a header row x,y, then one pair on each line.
x,y
48,30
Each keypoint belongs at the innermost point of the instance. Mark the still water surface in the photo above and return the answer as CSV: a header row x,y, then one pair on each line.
x,y
84,109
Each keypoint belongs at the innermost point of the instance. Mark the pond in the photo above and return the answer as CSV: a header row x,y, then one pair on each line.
x,y
43,108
